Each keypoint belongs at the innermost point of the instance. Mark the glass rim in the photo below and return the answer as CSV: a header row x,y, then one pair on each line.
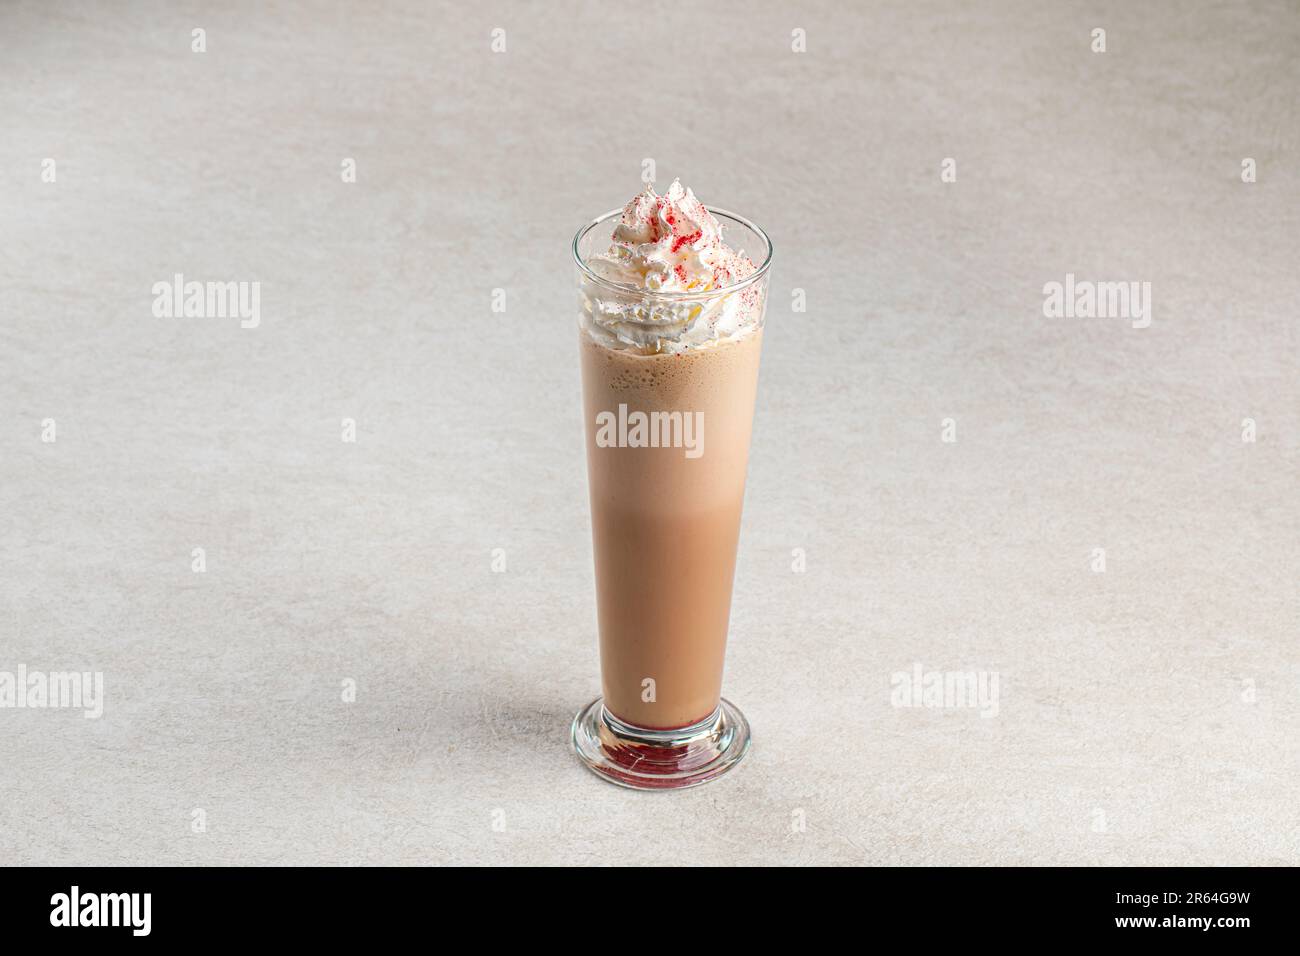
x,y
744,283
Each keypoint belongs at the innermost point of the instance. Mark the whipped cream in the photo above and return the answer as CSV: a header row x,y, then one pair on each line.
x,y
664,279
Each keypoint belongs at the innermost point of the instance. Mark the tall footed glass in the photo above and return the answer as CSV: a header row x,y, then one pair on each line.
x,y
669,381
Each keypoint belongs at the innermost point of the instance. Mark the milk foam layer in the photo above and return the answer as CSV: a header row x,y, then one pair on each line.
x,y
664,279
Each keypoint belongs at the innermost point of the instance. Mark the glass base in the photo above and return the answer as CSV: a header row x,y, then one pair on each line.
x,y
660,759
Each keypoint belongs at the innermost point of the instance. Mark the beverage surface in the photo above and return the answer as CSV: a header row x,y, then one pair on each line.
x,y
663,284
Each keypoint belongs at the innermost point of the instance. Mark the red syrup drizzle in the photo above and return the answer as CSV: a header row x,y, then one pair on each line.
x,y
683,240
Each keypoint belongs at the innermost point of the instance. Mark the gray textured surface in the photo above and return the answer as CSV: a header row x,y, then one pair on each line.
x,y
1124,695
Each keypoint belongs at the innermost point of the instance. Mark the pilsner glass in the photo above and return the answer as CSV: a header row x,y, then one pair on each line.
x,y
667,445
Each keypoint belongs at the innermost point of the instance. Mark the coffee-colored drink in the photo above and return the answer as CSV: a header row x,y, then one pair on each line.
x,y
670,336
665,526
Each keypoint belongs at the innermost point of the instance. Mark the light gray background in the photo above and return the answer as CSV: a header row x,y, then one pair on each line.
x,y
1125,694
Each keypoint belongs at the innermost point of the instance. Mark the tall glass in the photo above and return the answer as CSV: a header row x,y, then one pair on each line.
x,y
667,446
